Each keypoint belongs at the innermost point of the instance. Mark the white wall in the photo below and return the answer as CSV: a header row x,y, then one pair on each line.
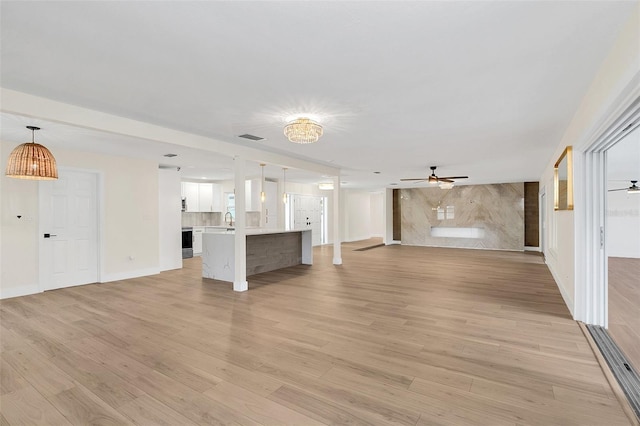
x,y
357,215
129,218
362,215
19,244
623,224
377,215
169,220
618,69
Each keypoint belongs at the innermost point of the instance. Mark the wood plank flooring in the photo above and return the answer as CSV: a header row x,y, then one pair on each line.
x,y
624,306
397,335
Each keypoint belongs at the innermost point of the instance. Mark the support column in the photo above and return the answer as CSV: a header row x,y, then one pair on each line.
x,y
388,216
337,250
240,239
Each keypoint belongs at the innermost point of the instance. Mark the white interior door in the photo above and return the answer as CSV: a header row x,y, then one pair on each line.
x,y
307,215
69,230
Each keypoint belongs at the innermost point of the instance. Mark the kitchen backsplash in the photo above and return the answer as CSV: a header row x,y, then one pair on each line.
x,y
202,219
215,219
253,219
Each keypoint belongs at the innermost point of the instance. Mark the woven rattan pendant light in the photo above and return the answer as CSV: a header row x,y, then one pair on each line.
x,y
32,161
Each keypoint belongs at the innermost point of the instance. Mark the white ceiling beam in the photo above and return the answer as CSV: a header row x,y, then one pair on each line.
x,y
20,103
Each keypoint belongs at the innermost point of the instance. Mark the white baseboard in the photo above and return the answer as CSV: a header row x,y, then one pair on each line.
x,y
24,290
565,296
119,276
529,248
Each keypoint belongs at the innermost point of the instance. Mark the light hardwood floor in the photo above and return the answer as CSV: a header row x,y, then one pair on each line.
x,y
396,335
624,306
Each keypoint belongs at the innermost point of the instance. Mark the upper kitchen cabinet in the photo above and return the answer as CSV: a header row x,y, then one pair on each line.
x,y
217,204
210,197
202,197
252,195
271,203
206,197
253,188
192,194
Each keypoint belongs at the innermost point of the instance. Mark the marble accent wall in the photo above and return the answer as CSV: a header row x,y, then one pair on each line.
x,y
496,211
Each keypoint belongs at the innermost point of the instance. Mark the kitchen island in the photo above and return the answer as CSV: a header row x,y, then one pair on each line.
x,y
267,250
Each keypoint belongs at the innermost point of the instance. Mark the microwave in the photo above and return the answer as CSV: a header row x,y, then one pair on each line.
x,y
184,204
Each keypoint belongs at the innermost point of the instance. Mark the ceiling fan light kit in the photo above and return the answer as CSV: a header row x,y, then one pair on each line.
x,y
446,185
303,130
32,161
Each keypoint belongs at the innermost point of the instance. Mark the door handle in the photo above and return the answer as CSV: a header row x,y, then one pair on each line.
x,y
50,235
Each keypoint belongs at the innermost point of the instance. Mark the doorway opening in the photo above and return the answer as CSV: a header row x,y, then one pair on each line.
x,y
623,244
308,212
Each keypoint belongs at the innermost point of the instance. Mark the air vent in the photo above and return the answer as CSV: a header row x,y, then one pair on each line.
x,y
170,155
251,137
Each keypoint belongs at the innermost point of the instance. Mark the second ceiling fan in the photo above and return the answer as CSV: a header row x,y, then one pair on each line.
x,y
633,189
436,179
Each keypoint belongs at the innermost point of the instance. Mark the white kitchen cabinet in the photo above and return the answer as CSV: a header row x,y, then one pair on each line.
x,y
192,194
206,197
252,195
216,189
197,239
202,197
271,203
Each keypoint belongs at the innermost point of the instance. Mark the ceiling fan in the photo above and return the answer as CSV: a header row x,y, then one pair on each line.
x,y
435,179
633,189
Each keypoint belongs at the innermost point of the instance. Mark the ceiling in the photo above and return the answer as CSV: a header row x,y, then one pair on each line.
x,y
484,89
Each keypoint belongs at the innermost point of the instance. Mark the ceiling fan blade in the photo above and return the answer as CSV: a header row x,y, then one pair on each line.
x,y
453,177
621,189
445,180
413,179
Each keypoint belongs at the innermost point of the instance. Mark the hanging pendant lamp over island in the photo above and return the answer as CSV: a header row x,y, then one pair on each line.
x,y
32,161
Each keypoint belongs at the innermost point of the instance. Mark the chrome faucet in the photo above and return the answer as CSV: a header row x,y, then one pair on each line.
x,y
230,223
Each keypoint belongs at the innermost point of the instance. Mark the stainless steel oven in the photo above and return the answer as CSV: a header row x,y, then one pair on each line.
x,y
187,242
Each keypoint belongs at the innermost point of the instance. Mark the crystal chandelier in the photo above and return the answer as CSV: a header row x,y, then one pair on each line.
x,y
303,130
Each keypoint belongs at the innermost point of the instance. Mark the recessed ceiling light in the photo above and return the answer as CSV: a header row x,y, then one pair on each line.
x,y
170,155
377,173
393,184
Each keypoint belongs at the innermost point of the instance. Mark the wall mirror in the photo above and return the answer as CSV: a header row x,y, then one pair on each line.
x,y
563,181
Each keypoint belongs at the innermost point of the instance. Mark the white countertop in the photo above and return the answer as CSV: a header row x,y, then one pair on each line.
x,y
256,231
